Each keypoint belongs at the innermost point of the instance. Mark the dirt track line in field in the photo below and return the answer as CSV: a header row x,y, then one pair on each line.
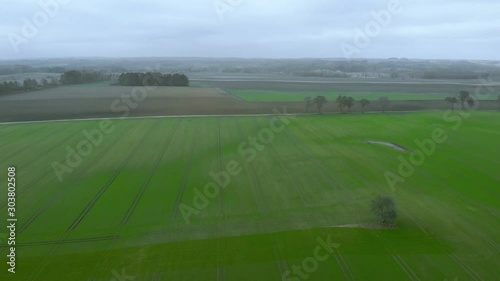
x,y
187,170
287,172
320,167
219,156
70,241
281,269
260,200
467,269
208,116
53,147
159,232
137,199
61,192
221,273
39,178
47,258
96,198
281,259
29,146
343,267
471,272
146,183
156,276
404,266
34,142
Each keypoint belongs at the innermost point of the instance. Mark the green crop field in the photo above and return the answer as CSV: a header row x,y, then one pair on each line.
x,y
143,200
268,96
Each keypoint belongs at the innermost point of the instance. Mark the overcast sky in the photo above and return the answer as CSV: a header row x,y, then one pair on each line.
x,y
442,29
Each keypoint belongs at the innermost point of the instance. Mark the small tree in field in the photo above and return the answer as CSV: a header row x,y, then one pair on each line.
x,y
384,101
309,101
364,103
471,102
349,102
340,101
452,101
320,101
383,207
464,96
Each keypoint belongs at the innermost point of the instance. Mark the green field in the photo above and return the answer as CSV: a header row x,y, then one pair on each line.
x,y
118,210
269,96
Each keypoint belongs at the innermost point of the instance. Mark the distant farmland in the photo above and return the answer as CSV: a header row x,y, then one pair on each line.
x,y
119,209
100,100
255,95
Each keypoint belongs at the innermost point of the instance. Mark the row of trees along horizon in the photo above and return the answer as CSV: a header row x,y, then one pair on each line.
x,y
342,102
153,79
74,77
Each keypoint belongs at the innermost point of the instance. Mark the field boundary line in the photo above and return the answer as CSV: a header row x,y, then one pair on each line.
x,y
215,116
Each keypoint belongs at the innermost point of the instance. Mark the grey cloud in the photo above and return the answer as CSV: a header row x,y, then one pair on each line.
x,y
256,28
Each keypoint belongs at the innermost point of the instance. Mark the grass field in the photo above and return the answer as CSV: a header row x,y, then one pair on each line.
x,y
118,210
262,95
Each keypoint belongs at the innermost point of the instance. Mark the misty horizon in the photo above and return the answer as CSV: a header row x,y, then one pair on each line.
x,y
250,29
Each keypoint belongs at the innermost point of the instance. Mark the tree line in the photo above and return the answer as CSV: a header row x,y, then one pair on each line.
x,y
464,98
343,102
153,79
27,85
81,77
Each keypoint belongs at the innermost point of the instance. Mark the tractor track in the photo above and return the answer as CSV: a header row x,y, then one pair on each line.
x,y
63,191
320,168
219,156
96,198
183,184
43,175
259,195
146,183
406,268
34,142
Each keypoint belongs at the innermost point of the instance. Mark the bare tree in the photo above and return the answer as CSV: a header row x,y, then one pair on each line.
x,y
385,209
452,101
364,103
471,102
309,101
384,101
340,102
349,102
320,101
464,96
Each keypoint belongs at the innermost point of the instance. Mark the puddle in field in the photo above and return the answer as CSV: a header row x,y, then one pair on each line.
x,y
392,145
